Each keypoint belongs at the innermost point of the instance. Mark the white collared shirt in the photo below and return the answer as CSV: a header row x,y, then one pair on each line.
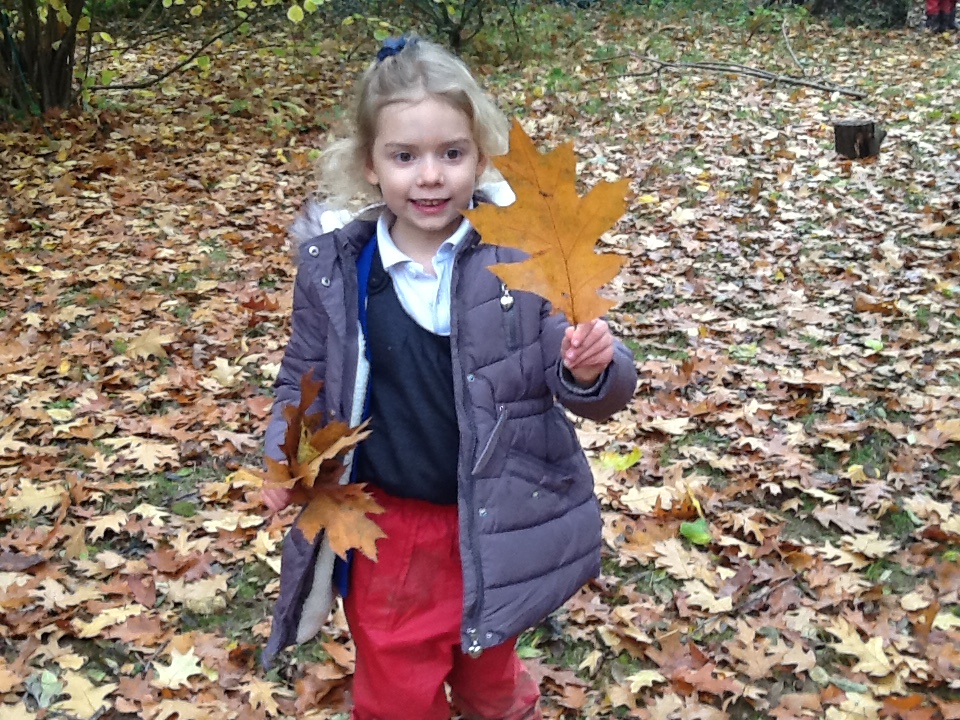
x,y
424,296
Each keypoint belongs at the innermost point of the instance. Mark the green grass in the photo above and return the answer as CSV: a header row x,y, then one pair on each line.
x,y
891,575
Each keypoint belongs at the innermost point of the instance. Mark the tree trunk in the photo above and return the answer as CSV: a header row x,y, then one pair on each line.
x,y
857,138
37,70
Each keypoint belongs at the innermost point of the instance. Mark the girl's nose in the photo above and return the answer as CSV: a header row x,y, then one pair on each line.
x,y
430,172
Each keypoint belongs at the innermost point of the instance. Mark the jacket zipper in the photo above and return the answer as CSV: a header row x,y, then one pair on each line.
x,y
507,304
492,441
471,616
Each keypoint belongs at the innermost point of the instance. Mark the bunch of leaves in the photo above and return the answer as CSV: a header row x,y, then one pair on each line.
x,y
555,226
314,452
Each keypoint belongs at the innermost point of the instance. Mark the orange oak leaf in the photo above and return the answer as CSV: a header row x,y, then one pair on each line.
x,y
342,511
555,226
313,450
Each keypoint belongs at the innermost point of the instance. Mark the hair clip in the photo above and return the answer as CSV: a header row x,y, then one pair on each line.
x,y
392,46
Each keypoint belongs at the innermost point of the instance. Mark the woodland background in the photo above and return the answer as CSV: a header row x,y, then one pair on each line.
x,y
782,498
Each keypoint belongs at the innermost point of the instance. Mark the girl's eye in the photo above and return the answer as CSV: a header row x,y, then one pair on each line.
x,y
404,157
454,154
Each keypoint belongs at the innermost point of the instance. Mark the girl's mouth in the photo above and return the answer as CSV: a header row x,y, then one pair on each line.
x,y
429,206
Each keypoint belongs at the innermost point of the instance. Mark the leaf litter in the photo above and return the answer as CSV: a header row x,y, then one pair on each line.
x,y
794,317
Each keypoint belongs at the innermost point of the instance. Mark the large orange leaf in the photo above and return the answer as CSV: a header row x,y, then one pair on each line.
x,y
555,226
314,451
342,511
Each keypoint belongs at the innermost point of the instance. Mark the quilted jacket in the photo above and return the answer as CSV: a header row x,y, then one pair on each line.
x,y
529,520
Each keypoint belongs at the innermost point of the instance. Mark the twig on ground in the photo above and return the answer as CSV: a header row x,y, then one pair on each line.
x,y
734,69
786,39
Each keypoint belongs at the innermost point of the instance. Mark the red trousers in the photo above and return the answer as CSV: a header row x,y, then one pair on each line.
x,y
404,613
935,7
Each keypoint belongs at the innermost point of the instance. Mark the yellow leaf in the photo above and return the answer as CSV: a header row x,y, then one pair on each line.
x,y
185,710
946,620
556,227
950,428
177,674
341,510
204,597
86,699
699,595
105,619
872,659
914,601
147,343
644,679
226,374
9,680
591,661
261,695
36,498
643,499
60,415
295,14
16,712
670,426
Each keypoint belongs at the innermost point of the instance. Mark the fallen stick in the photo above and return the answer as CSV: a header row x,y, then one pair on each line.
x,y
730,68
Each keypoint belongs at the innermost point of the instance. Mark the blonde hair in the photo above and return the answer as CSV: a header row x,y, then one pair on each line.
x,y
420,69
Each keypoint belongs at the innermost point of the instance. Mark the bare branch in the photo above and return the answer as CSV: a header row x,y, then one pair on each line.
x,y
734,69
179,66
786,39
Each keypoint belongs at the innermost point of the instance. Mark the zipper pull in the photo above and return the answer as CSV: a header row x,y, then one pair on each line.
x,y
474,650
506,299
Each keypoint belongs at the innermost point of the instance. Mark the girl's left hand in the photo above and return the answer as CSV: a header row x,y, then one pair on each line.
x,y
587,350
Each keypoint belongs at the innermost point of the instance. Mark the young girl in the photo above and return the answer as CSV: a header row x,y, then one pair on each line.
x,y
490,517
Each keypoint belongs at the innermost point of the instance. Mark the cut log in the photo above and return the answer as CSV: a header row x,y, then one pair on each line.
x,y
857,138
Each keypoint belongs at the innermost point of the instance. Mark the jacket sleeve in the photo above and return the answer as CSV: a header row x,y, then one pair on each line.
x,y
304,352
616,384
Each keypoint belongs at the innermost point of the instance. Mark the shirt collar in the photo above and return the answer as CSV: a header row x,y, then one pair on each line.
x,y
391,255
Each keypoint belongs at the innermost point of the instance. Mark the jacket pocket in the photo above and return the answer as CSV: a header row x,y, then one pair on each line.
x,y
483,459
556,477
511,320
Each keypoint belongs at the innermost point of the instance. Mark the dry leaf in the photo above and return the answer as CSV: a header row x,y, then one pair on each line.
x,y
177,674
86,699
556,227
313,471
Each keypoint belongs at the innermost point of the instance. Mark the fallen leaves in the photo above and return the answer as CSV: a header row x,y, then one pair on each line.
x,y
794,321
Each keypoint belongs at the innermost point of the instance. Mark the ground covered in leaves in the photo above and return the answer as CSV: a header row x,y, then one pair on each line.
x,y
794,316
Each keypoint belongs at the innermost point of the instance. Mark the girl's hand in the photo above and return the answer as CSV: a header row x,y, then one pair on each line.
x,y
276,498
587,350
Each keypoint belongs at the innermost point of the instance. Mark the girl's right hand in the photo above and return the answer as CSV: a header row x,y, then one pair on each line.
x,y
277,498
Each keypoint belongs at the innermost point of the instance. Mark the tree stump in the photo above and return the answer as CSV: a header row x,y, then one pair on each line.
x,y
857,138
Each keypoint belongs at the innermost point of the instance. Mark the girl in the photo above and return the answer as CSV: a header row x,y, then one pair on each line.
x,y
490,518
941,15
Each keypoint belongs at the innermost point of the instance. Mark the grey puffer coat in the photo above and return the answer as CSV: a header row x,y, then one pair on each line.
x,y
529,519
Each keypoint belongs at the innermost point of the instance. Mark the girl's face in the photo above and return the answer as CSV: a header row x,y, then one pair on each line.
x,y
426,162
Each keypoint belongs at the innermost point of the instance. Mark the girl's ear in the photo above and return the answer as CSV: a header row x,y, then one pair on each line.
x,y
369,173
481,165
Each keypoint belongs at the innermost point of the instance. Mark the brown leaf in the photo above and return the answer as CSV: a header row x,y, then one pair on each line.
x,y
341,510
556,227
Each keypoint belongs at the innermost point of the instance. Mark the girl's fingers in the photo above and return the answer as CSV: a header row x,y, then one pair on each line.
x,y
582,332
599,358
593,345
